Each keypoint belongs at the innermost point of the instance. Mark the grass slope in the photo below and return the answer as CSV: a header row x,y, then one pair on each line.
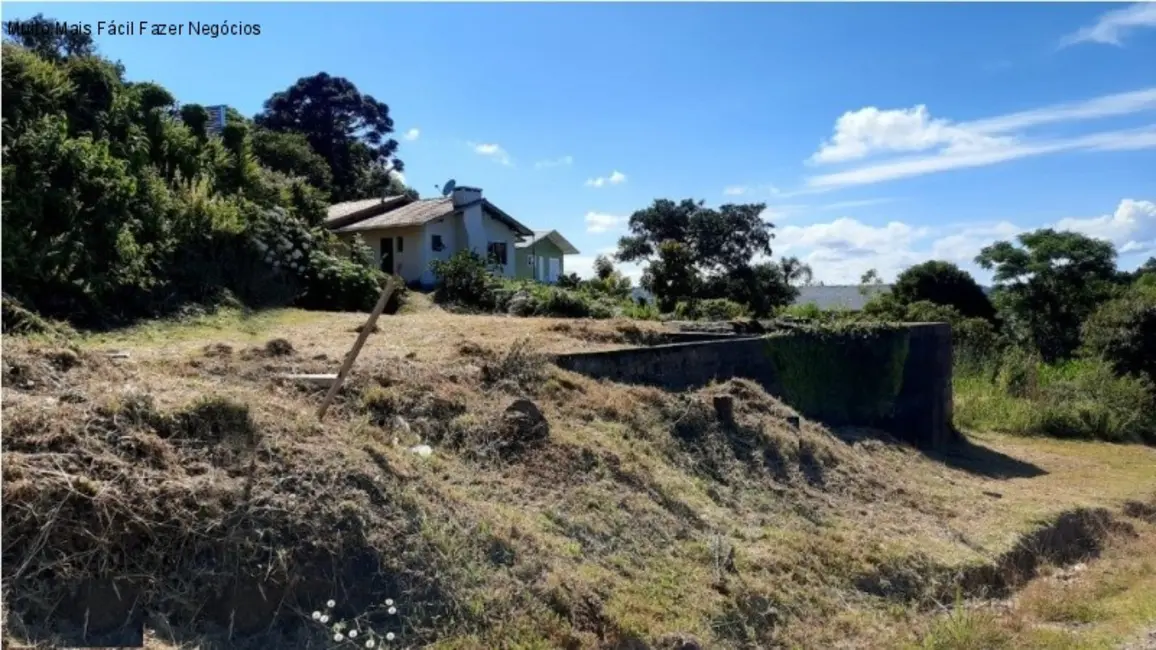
x,y
640,520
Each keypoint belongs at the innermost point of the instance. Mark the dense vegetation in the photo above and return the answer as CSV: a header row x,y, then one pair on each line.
x,y
119,202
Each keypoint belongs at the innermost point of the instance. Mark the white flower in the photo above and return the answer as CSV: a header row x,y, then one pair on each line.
x,y
317,616
339,637
324,618
388,601
370,643
353,634
389,636
392,610
331,604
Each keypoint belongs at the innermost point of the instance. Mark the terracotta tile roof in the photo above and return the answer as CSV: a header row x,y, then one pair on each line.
x,y
412,214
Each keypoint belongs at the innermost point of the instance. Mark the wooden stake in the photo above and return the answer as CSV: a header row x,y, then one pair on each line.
x,y
356,349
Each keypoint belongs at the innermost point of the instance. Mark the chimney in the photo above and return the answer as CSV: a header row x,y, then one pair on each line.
x,y
465,195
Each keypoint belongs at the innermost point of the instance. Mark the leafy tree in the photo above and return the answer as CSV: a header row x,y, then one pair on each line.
x,y
41,38
1049,284
696,252
943,283
345,127
1123,332
672,277
795,271
603,267
291,154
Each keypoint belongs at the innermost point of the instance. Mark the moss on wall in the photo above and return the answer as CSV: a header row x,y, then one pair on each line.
x,y
844,373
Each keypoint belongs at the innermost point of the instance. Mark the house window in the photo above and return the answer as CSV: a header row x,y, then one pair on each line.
x,y
436,243
530,261
400,244
497,252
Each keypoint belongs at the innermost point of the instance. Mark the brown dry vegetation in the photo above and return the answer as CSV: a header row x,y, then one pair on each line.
x,y
632,518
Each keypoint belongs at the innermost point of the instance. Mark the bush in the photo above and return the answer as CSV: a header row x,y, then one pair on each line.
x,y
465,279
1123,333
1076,399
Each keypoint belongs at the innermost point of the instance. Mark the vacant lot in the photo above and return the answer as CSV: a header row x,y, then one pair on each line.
x,y
630,518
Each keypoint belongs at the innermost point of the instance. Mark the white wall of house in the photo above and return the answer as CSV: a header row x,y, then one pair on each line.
x,y
497,232
407,253
448,229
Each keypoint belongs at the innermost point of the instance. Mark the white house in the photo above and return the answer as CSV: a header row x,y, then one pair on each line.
x,y
408,234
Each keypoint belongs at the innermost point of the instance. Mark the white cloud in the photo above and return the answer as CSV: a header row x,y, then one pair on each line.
x,y
1132,139
1111,26
736,190
398,175
412,134
860,203
564,161
840,251
1132,223
597,222
494,152
616,177
872,132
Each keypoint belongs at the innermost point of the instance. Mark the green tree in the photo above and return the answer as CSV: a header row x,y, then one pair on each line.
x,y
1049,284
672,276
350,130
1122,331
40,37
796,272
943,283
695,252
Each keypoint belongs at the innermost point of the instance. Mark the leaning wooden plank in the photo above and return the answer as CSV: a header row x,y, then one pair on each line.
x,y
356,349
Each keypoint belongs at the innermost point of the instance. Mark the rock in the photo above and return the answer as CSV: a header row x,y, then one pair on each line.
x,y
524,424
425,451
793,422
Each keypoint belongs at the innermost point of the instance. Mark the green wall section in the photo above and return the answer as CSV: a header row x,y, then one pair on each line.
x,y
850,374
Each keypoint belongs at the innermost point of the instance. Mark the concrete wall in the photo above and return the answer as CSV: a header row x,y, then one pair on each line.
x,y
920,412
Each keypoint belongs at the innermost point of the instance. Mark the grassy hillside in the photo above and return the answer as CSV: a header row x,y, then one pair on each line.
x,y
630,518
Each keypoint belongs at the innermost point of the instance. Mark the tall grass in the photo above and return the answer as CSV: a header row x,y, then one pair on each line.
x,y
1015,392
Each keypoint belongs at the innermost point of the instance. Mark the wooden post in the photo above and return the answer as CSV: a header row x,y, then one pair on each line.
x,y
356,349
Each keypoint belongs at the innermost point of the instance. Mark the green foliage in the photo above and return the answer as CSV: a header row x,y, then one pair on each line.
x,y
464,279
1049,284
849,372
119,206
1080,398
1123,332
348,129
711,309
695,252
943,283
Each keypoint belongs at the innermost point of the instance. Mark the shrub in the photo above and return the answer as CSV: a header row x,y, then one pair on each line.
x,y
464,279
1076,399
721,309
1123,332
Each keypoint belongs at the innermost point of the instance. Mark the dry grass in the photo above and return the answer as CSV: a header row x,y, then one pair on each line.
x,y
641,519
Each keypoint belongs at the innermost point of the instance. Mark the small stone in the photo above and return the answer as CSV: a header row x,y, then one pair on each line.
x,y
524,422
425,451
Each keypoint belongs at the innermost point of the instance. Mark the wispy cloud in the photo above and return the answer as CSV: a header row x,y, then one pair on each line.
x,y
860,203
412,134
615,178
736,190
494,152
1111,26
872,131
564,161
1124,140
598,222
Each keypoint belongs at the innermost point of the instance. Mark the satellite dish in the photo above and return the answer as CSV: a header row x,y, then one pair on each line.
x,y
448,188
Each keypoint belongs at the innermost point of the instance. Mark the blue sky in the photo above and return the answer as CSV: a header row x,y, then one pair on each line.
x,y
878,135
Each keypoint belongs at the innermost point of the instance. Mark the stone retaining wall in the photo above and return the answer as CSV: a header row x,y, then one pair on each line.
x,y
918,409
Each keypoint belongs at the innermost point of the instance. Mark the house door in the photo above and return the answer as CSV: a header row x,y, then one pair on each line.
x,y
555,269
387,254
